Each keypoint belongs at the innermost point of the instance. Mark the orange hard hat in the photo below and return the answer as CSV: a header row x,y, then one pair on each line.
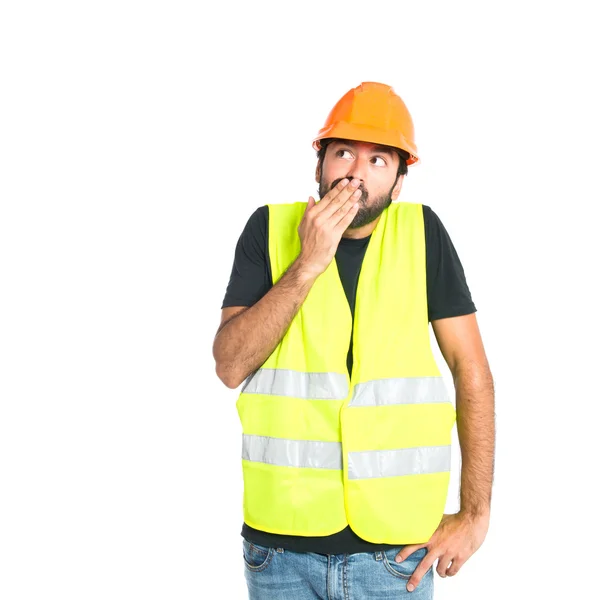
x,y
371,112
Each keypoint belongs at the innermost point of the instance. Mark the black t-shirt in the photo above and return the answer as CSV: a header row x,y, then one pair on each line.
x,y
448,295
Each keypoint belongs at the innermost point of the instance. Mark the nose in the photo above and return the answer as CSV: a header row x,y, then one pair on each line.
x,y
359,169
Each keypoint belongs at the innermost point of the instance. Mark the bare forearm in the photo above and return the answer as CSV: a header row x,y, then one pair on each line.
x,y
475,419
245,342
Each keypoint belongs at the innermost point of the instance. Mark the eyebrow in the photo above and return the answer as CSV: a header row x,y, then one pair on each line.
x,y
380,149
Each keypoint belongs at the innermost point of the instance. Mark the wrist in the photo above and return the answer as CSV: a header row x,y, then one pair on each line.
x,y
303,271
476,513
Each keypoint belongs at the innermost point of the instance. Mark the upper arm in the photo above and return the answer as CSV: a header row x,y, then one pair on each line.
x,y
250,277
448,294
460,341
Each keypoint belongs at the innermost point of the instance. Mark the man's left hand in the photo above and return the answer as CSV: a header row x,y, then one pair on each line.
x,y
456,539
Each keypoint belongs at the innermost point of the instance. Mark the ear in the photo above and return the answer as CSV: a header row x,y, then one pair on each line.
x,y
397,187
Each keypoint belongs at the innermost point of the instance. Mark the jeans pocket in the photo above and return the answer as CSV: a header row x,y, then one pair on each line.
x,y
256,557
407,567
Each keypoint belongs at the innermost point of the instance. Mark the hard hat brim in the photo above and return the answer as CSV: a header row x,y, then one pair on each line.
x,y
365,133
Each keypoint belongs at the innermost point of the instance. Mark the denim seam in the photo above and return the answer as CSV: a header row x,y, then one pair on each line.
x,y
345,578
264,564
329,592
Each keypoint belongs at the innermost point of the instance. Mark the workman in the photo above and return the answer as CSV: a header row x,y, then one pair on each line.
x,y
346,418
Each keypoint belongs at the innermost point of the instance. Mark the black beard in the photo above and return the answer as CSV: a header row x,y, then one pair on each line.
x,y
367,212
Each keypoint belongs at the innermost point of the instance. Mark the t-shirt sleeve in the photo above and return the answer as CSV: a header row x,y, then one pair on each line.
x,y
448,294
250,277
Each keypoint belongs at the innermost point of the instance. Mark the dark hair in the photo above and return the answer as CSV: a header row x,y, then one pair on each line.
x,y
402,155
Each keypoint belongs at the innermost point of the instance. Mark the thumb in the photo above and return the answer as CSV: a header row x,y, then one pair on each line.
x,y
310,204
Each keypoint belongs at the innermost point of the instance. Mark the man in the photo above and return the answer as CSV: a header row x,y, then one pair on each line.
x,y
346,420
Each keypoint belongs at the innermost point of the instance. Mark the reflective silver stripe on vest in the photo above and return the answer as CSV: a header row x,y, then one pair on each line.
x,y
406,461
292,453
402,390
298,384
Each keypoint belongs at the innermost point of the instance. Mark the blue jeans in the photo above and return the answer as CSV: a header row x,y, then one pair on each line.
x,y
279,574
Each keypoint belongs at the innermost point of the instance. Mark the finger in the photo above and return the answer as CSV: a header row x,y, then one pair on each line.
x,y
309,205
343,223
332,193
407,551
344,207
443,565
457,563
418,573
348,194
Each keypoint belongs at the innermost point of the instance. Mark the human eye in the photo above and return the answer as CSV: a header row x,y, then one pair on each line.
x,y
381,159
341,151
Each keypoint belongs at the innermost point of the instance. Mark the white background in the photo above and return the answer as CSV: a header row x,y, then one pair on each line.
x,y
136,140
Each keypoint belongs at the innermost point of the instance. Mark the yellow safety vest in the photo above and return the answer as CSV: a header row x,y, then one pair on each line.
x,y
321,450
